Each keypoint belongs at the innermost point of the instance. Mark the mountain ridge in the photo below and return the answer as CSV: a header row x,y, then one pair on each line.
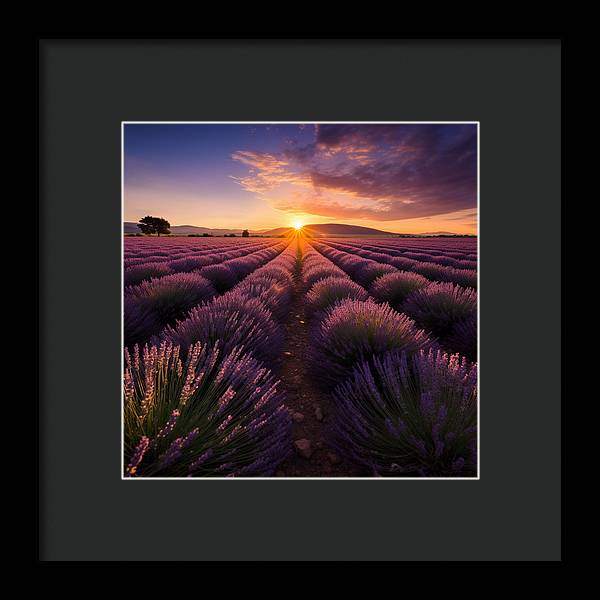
x,y
332,229
316,230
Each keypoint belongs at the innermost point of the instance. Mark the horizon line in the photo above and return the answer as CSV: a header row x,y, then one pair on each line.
x,y
267,229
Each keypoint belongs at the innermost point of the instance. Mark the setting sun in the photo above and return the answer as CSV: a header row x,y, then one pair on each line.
x,y
297,225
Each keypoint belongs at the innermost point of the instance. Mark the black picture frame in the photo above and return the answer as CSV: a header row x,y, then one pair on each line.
x,y
88,87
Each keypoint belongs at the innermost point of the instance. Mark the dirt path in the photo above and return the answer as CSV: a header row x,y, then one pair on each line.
x,y
308,405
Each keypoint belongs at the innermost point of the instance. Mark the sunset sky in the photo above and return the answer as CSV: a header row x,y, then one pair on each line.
x,y
402,178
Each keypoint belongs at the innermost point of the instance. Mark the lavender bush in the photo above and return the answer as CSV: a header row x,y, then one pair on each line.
x,y
432,271
403,415
466,264
446,261
326,292
210,416
438,306
463,337
137,273
378,256
154,304
280,273
402,263
354,330
273,293
463,277
349,262
235,320
190,263
394,288
244,265
366,274
320,270
221,276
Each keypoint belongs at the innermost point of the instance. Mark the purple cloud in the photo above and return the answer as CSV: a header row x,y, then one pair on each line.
x,y
380,172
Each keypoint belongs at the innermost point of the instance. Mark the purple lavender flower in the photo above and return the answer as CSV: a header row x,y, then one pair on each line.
x,y
463,337
432,271
467,264
275,294
154,304
403,263
174,452
316,271
420,414
366,274
195,465
234,320
138,455
355,330
438,306
201,413
221,276
326,292
190,263
135,274
279,272
170,425
394,288
463,277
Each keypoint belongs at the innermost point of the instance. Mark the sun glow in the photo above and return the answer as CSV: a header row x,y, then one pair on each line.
x,y
297,225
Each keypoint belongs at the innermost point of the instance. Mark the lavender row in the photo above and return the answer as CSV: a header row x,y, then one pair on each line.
x,y
365,260
154,304
457,260
174,252
248,316
421,246
209,414
401,405
158,249
218,410
467,277
141,244
134,274
348,325
445,309
436,246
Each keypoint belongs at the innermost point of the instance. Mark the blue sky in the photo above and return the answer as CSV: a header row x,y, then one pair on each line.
x,y
410,178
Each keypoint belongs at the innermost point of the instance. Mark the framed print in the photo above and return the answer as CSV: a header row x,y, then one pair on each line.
x,y
304,295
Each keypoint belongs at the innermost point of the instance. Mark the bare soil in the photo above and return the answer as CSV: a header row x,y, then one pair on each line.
x,y
305,401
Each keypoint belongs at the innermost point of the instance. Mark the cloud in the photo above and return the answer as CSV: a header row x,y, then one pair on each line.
x,y
267,172
468,215
378,172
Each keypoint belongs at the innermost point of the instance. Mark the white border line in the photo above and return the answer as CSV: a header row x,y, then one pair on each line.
x,y
123,478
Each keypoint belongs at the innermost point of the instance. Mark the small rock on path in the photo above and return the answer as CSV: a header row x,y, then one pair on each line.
x,y
303,448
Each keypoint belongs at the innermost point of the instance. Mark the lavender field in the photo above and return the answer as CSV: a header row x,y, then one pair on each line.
x,y
300,357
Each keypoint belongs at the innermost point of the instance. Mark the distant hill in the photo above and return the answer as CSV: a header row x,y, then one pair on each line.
x,y
326,229
331,230
316,230
339,229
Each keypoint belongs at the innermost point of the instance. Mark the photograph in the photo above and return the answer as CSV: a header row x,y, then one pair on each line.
x,y
300,300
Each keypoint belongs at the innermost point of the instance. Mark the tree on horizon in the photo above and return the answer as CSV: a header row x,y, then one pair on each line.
x,y
245,233
158,225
